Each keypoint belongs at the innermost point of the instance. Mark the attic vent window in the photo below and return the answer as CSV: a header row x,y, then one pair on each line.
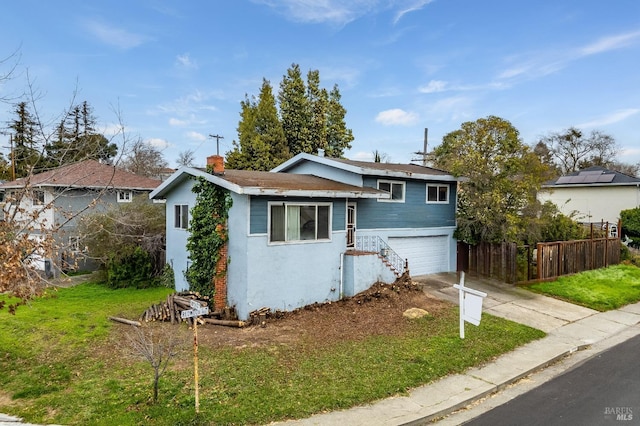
x,y
125,196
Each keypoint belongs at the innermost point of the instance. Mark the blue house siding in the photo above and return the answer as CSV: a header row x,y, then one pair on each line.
x,y
260,210
415,212
321,170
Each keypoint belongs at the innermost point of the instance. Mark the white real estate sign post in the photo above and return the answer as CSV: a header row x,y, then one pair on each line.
x,y
470,304
196,311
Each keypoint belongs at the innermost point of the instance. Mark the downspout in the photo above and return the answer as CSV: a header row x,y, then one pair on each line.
x,y
341,275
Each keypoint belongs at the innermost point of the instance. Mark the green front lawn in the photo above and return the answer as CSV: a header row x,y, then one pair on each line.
x,y
600,289
61,363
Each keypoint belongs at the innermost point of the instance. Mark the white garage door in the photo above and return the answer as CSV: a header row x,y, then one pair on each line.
x,y
427,255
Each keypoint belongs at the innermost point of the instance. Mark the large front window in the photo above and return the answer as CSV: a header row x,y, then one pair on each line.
x,y
299,222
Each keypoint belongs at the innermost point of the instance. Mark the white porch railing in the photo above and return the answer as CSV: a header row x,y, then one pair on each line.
x,y
375,244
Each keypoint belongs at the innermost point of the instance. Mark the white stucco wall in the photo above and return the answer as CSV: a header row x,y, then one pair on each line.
x,y
285,276
177,255
593,203
363,270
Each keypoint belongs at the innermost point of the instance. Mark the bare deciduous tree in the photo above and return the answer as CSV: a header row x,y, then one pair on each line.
x,y
156,348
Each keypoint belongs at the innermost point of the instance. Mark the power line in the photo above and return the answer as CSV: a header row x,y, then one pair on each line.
x,y
217,138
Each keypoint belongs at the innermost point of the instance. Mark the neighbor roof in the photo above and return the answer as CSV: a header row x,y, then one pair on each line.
x,y
593,176
268,183
86,174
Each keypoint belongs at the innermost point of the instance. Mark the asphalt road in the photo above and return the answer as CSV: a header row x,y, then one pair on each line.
x,y
604,390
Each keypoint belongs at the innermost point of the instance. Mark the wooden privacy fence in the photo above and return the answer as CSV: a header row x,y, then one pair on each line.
x,y
570,257
490,260
512,264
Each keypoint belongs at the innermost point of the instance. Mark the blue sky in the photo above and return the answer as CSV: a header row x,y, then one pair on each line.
x,y
177,70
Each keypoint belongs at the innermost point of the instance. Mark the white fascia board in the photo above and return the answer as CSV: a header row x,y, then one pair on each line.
x,y
590,185
183,173
312,193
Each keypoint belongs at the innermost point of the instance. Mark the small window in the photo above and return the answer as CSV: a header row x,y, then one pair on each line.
x,y
181,216
125,196
299,222
38,197
74,244
437,193
395,188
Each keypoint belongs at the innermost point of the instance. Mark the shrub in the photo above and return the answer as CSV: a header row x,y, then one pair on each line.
x,y
131,270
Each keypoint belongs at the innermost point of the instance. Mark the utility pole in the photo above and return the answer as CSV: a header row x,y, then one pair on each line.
x,y
217,138
12,155
424,148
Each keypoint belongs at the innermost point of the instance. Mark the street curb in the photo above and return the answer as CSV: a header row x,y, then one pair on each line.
x,y
496,388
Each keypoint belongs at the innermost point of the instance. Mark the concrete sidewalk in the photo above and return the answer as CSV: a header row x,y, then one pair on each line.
x,y
569,328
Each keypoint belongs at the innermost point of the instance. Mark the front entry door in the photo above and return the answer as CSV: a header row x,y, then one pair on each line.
x,y
351,225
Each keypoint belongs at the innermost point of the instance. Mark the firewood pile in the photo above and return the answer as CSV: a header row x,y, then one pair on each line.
x,y
171,309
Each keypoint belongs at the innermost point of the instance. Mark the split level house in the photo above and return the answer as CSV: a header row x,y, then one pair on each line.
x,y
58,198
593,195
316,229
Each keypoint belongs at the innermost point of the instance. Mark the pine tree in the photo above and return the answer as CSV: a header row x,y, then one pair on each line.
x,y
26,154
78,140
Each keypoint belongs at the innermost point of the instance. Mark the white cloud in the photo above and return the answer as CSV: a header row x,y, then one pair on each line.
x,y
112,129
539,64
177,122
340,12
185,61
411,6
196,136
114,36
158,143
611,118
397,117
611,43
433,86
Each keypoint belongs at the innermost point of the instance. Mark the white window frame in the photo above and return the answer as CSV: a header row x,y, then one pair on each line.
x,y
292,240
74,244
392,183
38,197
125,196
181,216
438,189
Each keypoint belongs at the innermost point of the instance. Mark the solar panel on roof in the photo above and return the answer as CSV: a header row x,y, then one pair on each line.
x,y
606,178
564,179
590,172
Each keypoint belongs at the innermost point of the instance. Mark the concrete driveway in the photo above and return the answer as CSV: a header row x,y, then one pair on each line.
x,y
508,301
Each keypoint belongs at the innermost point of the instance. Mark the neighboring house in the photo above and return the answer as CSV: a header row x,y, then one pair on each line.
x,y
316,229
593,195
59,197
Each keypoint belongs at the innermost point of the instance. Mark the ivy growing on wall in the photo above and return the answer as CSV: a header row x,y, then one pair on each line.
x,y
208,234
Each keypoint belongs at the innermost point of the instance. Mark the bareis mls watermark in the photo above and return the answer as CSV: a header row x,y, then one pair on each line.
x,y
618,413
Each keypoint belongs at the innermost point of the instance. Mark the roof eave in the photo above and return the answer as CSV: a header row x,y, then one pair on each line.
x,y
312,193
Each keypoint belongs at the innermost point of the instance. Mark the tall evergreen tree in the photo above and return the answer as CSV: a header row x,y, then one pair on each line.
x,y
262,144
294,111
306,119
78,140
26,151
318,100
339,137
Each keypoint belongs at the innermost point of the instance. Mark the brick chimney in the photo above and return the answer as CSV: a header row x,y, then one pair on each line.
x,y
216,162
